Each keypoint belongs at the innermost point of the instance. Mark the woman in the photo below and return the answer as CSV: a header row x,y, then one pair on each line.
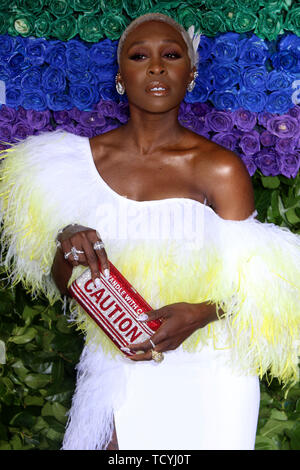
x,y
232,302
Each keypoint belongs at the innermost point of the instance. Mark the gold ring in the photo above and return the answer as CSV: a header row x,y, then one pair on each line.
x,y
157,356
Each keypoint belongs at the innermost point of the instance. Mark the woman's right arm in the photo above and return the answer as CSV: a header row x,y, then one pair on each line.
x,y
83,239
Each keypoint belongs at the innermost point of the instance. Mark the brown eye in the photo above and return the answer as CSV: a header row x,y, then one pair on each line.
x,y
172,55
137,56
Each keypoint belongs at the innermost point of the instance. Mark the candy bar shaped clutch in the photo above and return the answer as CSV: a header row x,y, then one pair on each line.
x,y
115,306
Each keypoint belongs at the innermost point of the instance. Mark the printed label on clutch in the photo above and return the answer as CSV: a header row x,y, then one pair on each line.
x,y
115,306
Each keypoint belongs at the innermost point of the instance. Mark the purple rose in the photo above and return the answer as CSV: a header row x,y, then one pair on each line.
x,y
289,165
250,143
267,139
91,119
21,130
84,131
295,112
62,117
244,119
249,163
263,118
5,132
201,109
219,121
283,126
7,114
122,112
225,140
107,108
285,146
38,119
267,161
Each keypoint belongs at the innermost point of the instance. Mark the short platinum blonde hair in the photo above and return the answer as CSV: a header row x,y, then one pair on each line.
x,y
192,53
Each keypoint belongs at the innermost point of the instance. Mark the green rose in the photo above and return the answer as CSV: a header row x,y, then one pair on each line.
x,y
188,16
115,5
89,28
252,5
292,21
113,25
87,6
64,28
3,23
31,6
167,4
216,4
269,24
3,5
43,24
135,8
21,24
241,20
60,8
212,23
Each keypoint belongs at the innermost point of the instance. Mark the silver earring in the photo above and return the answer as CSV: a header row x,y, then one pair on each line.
x,y
192,84
119,87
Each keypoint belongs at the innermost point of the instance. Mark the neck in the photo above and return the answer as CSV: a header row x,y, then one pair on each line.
x,y
147,132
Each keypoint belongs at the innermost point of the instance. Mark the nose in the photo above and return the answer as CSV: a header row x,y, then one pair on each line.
x,y
156,67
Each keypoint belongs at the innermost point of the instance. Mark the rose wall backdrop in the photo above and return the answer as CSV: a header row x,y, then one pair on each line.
x,y
57,70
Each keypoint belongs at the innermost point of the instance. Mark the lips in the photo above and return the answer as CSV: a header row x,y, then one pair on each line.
x,y
157,88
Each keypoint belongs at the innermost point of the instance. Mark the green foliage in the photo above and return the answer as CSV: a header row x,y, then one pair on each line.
x,y
37,379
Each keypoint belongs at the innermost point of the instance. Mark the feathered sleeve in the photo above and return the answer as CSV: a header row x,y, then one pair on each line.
x,y
252,271
35,195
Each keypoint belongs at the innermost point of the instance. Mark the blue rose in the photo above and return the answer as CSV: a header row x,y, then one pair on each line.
x,y
108,92
31,79
205,47
199,94
13,96
53,80
17,63
104,52
84,77
253,51
225,76
35,50
7,46
77,55
204,70
289,41
277,80
226,47
56,54
59,101
4,72
103,74
34,100
254,78
288,61
83,96
225,100
279,102
252,100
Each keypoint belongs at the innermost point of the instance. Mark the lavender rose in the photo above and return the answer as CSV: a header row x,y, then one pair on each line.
x,y
38,119
249,162
244,120
267,161
285,146
250,143
228,141
219,121
267,139
289,165
283,126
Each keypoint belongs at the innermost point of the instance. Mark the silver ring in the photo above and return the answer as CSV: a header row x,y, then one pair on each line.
x,y
75,253
152,343
66,255
98,245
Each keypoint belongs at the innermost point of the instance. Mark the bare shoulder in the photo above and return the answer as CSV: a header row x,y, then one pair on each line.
x,y
227,183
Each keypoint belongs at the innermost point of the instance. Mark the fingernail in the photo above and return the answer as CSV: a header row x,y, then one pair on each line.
x,y
143,317
125,349
97,282
106,273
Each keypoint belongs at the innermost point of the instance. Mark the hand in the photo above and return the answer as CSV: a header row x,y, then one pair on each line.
x,y
83,239
179,321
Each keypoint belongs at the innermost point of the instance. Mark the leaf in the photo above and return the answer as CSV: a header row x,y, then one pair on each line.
x,y
24,338
36,380
265,443
270,182
24,418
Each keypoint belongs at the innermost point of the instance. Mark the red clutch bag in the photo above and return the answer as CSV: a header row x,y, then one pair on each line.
x,y
115,306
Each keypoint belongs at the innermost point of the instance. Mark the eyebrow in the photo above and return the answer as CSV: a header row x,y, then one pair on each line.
x,y
164,41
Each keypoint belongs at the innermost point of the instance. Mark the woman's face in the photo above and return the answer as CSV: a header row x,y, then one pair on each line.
x,y
154,55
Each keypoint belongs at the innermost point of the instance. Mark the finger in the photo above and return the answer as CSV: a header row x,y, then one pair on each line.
x,y
66,247
151,315
141,357
101,254
91,257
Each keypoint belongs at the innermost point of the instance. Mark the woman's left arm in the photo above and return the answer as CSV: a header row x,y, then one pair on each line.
x,y
230,194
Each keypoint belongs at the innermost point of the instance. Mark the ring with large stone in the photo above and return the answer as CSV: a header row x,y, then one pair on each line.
x,y
157,356
98,245
75,253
